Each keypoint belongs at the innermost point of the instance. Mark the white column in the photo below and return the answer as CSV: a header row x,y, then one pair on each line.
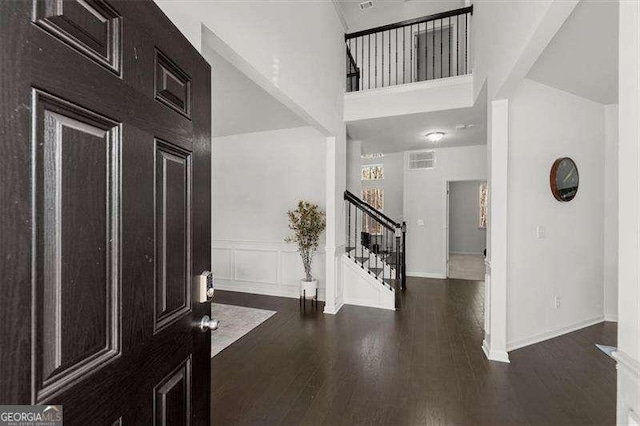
x,y
628,353
335,184
495,343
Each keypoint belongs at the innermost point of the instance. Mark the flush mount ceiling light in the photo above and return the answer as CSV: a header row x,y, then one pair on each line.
x,y
434,136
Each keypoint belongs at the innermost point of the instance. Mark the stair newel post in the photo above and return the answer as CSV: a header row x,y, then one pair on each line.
x,y
398,235
404,255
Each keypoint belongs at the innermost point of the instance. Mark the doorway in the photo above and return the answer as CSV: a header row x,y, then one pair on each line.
x,y
466,230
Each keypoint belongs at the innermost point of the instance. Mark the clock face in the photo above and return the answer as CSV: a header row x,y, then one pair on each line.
x,y
564,179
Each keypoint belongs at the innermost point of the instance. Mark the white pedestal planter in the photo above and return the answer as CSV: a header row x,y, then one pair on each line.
x,y
308,290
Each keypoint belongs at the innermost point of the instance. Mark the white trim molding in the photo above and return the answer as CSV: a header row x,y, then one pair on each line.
x,y
611,317
499,356
541,337
433,275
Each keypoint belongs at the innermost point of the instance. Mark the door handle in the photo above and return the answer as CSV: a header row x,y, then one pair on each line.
x,y
207,323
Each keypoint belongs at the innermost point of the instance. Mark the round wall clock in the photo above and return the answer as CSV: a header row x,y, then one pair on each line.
x,y
564,179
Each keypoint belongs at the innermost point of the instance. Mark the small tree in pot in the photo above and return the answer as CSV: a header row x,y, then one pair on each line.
x,y
307,222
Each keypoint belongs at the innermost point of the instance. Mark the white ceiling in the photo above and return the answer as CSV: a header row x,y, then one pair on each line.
x,y
239,104
386,12
406,132
582,58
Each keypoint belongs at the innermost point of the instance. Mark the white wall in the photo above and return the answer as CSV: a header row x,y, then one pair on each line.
x,y
296,48
495,54
425,200
425,96
354,153
545,124
257,178
628,353
611,213
465,235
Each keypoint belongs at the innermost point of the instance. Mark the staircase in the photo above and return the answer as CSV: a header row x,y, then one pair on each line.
x,y
376,243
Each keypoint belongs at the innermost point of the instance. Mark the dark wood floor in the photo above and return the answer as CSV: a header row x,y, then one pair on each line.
x,y
422,365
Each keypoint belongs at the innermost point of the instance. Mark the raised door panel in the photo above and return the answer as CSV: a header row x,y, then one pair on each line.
x,y
92,27
76,253
173,233
172,397
172,85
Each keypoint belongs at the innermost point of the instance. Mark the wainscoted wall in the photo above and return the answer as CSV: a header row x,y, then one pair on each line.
x,y
263,267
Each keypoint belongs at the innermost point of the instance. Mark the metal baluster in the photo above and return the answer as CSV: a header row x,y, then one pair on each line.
x,y
441,33
449,36
362,227
389,82
466,48
457,45
369,61
375,62
433,49
382,58
349,229
426,51
397,79
404,57
411,54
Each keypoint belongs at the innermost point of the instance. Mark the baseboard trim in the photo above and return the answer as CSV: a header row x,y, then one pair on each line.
x,y
628,363
333,310
498,356
367,304
611,317
426,275
474,253
290,291
541,337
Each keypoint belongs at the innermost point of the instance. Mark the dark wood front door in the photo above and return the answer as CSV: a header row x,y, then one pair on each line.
x,y
104,213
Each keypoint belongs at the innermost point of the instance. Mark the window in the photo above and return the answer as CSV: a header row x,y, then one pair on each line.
x,y
372,172
482,199
422,160
375,198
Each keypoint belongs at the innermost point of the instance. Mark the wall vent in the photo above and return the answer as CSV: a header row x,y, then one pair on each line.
x,y
366,5
422,160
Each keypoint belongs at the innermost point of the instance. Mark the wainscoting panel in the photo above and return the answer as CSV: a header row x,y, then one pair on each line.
x,y
263,267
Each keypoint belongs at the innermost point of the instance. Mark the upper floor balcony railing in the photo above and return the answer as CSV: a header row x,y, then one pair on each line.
x,y
427,48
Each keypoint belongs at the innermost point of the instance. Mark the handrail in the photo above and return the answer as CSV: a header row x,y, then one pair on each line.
x,y
366,206
428,18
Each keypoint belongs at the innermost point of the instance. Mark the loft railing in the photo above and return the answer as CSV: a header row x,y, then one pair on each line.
x,y
377,243
427,48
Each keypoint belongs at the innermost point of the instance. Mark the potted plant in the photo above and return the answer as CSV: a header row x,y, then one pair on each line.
x,y
307,222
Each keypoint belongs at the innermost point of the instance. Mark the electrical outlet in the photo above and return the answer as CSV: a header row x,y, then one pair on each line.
x,y
556,302
540,232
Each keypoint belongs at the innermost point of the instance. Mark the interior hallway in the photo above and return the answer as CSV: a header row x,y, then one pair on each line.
x,y
421,365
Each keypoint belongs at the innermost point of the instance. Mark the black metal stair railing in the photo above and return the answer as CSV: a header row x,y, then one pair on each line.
x,y
377,243
420,49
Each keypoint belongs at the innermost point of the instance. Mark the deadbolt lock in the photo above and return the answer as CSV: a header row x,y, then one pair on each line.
x,y
205,286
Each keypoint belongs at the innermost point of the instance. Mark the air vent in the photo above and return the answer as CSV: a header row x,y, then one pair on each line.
x,y
422,160
366,5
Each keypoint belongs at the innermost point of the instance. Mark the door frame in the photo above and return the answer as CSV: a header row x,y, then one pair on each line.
x,y
446,206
